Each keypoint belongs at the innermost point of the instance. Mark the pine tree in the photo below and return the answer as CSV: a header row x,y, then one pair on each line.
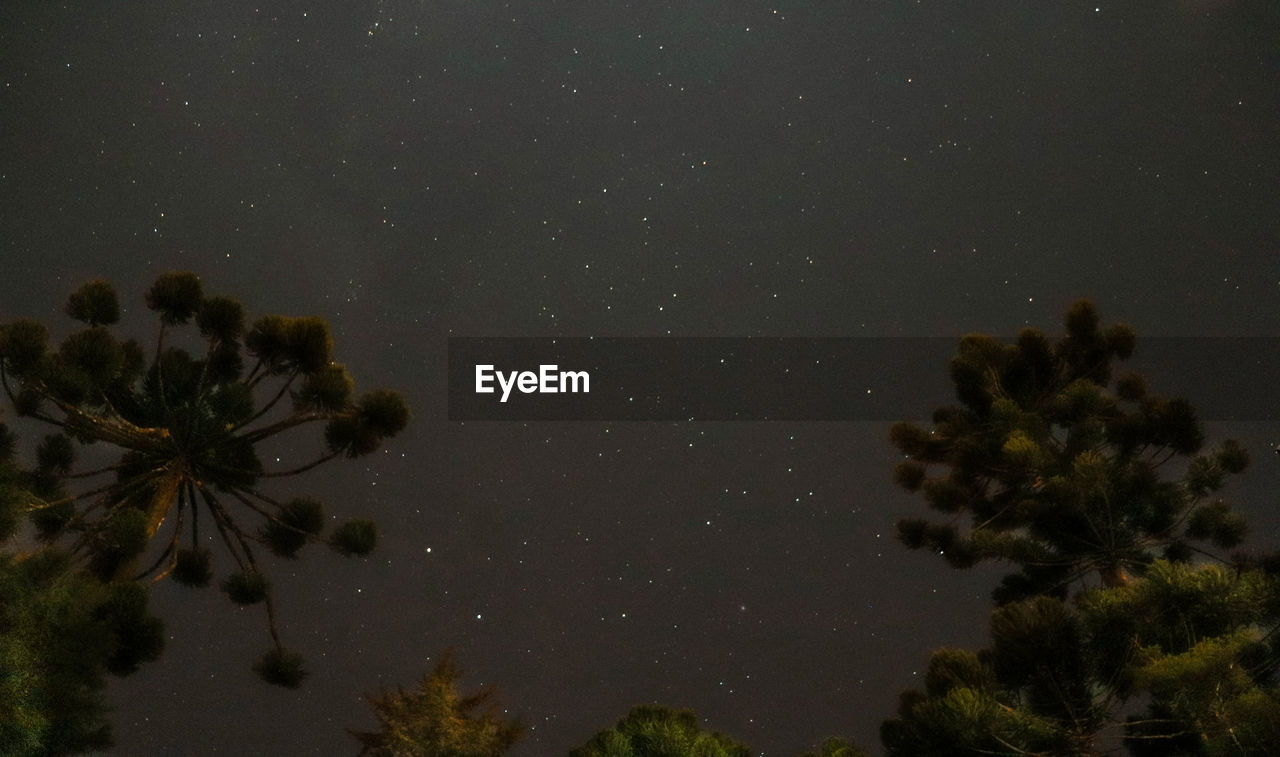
x,y
656,731
61,632
1050,465
836,747
1197,646
179,431
435,720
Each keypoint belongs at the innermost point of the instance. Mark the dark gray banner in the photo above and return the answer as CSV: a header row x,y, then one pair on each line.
x,y
801,379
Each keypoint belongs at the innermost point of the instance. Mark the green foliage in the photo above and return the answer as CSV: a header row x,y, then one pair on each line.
x,y
310,344
246,588
1201,645
56,454
435,720
836,747
185,425
956,668
94,303
385,412
298,520
968,722
1044,464
1056,473
378,415
61,632
1194,646
281,667
138,637
909,474
290,345
327,389
656,731
23,344
191,568
220,319
1029,691
175,296
355,538
94,355
52,518
122,538
1216,522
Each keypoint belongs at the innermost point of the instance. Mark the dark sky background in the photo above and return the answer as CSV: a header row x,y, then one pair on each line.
x,y
412,170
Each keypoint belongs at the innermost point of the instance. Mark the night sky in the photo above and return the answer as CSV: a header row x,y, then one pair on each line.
x,y
413,170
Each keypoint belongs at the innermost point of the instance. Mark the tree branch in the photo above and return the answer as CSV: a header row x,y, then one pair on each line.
x,y
267,408
303,469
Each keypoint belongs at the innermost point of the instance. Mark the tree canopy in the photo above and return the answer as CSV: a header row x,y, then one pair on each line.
x,y
1193,649
836,746
435,720
173,429
1058,471
1049,464
656,731
61,632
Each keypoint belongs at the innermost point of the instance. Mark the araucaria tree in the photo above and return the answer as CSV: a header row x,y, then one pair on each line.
x,y
175,426
835,746
61,632
1050,465
1181,662
657,731
436,720
1044,465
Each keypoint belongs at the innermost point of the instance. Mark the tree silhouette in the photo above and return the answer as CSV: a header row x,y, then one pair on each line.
x,y
61,632
1056,469
836,747
435,720
1196,646
656,731
174,433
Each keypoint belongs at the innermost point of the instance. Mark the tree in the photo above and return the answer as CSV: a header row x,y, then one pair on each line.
x,y
1060,475
1058,470
61,632
656,731
1202,645
1196,645
175,433
436,721
836,747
